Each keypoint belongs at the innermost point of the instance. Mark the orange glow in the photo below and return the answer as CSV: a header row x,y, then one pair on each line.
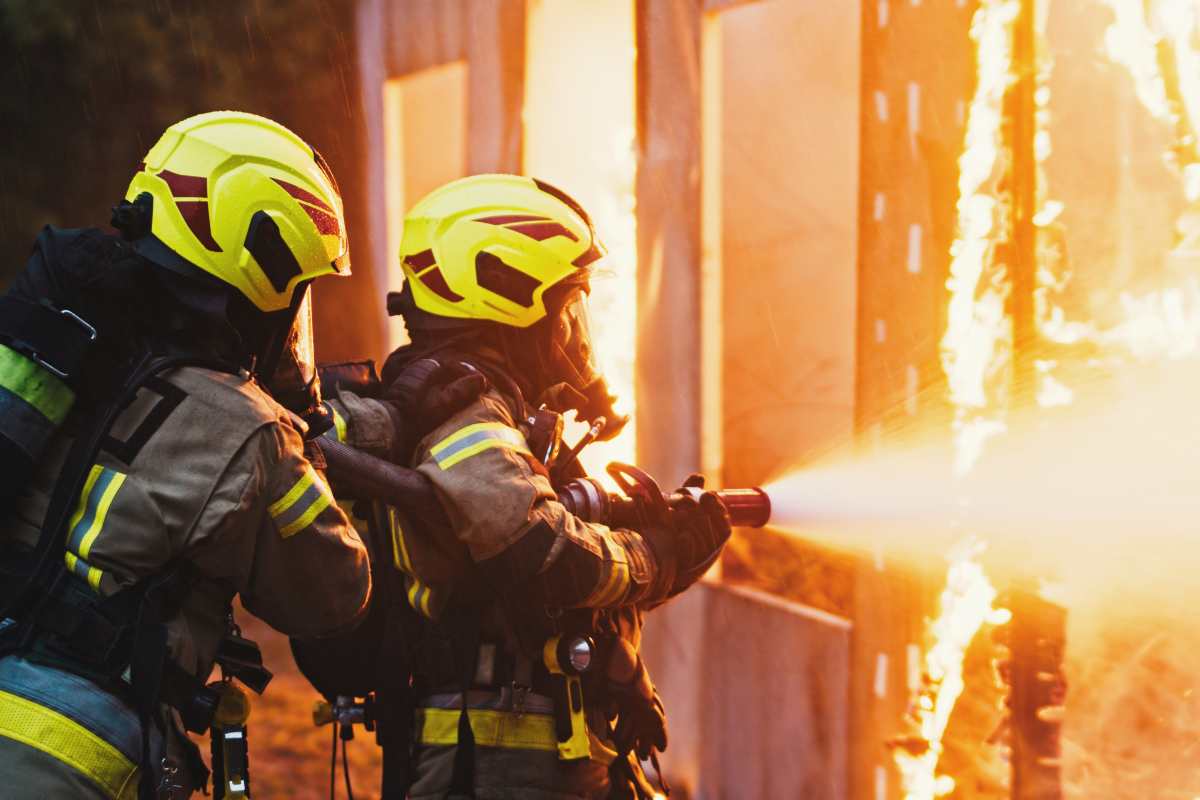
x,y
579,135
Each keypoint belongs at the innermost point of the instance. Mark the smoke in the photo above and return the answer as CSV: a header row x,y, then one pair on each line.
x,y
1101,498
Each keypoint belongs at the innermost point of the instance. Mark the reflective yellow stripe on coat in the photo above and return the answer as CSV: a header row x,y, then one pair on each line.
x,y
613,587
338,431
420,596
34,385
301,504
474,439
58,736
85,525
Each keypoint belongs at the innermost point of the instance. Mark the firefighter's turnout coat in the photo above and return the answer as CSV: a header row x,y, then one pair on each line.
x,y
531,569
203,470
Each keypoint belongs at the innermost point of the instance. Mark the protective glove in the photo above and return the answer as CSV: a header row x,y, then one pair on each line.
x,y
428,392
693,539
641,717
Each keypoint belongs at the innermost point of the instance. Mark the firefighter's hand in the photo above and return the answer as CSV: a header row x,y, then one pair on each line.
x,y
429,392
700,530
641,717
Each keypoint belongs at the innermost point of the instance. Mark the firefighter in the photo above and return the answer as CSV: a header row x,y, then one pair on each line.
x,y
175,480
529,618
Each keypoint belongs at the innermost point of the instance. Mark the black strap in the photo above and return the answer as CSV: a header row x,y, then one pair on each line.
x,y
170,398
465,626
393,692
146,670
35,594
28,588
56,337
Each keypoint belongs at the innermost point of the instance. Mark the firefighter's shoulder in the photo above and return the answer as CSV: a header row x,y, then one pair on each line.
x,y
486,424
232,394
184,432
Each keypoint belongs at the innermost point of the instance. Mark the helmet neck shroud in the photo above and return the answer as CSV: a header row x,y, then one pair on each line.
x,y
204,313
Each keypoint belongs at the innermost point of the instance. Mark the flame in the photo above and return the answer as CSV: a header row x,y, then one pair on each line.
x,y
966,604
977,345
1158,43
1130,42
1164,323
579,135
976,355
1145,36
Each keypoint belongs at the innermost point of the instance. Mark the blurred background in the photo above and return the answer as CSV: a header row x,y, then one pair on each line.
x,y
925,269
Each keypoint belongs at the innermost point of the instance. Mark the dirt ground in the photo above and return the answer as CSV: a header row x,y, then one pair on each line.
x,y
289,756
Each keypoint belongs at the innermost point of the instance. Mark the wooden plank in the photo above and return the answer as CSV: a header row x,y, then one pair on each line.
x,y
668,203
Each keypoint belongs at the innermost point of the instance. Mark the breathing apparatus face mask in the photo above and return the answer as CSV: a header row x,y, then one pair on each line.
x,y
572,360
287,365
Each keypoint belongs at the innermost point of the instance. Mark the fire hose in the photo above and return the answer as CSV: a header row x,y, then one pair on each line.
x,y
363,476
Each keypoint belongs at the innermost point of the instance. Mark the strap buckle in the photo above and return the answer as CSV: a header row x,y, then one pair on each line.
x,y
71,316
169,784
520,693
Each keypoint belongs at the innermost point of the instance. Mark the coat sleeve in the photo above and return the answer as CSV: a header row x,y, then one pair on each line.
x,y
364,423
502,507
291,551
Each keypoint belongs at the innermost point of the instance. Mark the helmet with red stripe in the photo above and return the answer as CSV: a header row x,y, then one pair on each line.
x,y
245,200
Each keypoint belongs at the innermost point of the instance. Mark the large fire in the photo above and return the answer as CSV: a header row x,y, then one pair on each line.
x,y
976,357
574,47
1158,45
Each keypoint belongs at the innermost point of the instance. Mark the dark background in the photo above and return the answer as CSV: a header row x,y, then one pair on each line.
x,y
89,86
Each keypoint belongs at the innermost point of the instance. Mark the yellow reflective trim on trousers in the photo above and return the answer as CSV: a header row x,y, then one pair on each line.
x,y
300,487
474,439
35,385
106,499
528,731
62,738
322,502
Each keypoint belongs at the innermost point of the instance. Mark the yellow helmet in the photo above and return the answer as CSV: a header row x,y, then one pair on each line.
x,y
245,200
488,247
